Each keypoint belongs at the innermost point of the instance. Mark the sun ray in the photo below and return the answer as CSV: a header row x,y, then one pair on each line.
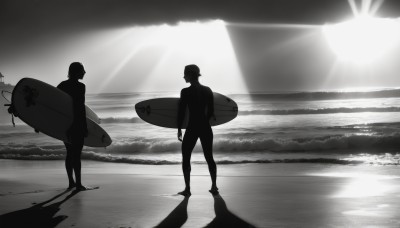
x,y
353,7
150,83
365,7
330,75
118,68
293,41
375,7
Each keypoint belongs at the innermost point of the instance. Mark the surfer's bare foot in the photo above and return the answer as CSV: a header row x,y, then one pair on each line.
x,y
71,186
185,193
82,188
86,188
214,191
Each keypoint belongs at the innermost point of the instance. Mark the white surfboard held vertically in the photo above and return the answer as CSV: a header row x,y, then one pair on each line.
x,y
163,112
49,110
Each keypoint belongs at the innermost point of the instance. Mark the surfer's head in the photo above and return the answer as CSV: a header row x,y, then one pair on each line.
x,y
192,72
76,70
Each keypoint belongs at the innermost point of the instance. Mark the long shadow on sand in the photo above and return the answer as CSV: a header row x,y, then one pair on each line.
x,y
225,218
37,215
177,217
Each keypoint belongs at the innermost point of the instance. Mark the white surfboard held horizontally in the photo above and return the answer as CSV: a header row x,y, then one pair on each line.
x,y
163,112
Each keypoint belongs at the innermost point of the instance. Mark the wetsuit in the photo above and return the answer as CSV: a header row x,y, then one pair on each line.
x,y
76,133
200,101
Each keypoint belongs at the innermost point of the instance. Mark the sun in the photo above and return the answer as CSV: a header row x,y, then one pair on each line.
x,y
363,39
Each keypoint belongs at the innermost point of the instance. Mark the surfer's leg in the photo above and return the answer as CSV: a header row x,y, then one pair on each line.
x,y
189,141
68,165
206,139
78,146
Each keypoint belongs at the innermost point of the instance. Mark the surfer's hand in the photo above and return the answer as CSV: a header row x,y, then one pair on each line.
x,y
180,135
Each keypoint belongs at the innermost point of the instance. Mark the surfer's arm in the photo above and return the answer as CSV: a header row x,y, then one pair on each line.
x,y
61,87
181,114
210,108
84,112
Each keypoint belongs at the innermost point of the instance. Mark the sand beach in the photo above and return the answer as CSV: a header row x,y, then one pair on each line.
x,y
33,194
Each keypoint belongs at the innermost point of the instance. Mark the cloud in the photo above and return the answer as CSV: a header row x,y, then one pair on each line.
x,y
51,14
30,28
36,17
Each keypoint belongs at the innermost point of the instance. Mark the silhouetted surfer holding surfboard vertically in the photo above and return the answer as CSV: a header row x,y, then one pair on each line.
x,y
78,130
200,101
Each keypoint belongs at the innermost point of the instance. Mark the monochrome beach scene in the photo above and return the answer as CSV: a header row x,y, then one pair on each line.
x,y
292,109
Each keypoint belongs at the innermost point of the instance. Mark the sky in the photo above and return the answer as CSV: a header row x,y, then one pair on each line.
x,y
143,46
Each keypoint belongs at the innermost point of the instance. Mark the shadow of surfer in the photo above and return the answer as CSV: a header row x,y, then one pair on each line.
x,y
177,217
37,215
225,218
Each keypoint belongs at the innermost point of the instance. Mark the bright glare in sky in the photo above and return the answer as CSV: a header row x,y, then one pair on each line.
x,y
153,58
363,39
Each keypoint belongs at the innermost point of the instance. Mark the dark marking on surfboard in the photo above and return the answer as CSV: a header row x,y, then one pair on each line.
x,y
146,110
30,96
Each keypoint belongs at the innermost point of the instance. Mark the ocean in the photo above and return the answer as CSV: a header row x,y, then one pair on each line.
x,y
335,127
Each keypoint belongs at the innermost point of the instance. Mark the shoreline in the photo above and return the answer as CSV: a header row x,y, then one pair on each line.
x,y
251,195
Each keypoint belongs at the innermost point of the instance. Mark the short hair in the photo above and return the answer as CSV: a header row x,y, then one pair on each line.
x,y
75,70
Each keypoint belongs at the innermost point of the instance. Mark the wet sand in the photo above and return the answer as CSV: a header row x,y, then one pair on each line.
x,y
32,194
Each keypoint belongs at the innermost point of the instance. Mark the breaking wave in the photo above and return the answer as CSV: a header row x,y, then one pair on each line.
x,y
318,111
327,95
232,145
240,144
88,155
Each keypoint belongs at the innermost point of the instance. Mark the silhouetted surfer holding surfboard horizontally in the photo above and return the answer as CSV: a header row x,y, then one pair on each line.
x,y
200,101
78,129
